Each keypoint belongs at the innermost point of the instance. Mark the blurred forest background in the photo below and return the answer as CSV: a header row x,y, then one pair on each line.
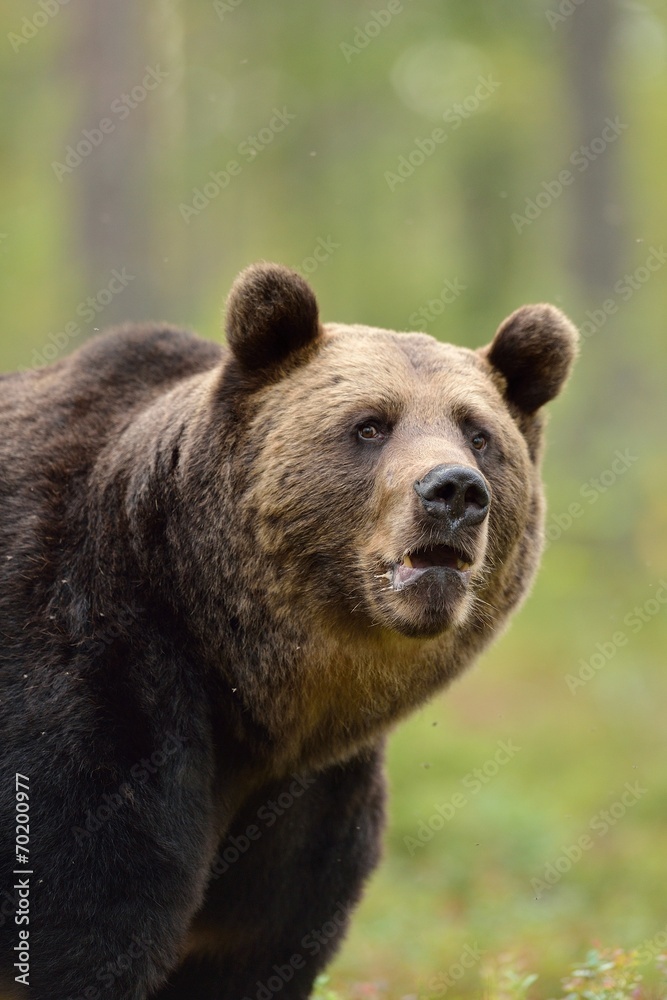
x,y
428,164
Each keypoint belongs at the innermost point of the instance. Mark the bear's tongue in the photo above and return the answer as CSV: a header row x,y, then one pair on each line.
x,y
414,564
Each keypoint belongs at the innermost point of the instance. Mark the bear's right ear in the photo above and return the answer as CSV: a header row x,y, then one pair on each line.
x,y
533,350
271,314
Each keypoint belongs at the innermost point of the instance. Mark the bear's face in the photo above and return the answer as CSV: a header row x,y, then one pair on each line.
x,y
386,483
394,479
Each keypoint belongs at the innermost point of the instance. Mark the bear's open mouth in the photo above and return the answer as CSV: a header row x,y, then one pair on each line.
x,y
414,564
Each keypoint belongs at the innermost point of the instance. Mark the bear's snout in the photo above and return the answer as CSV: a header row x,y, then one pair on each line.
x,y
456,495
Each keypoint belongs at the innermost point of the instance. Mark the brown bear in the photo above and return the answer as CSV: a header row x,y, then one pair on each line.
x,y
224,573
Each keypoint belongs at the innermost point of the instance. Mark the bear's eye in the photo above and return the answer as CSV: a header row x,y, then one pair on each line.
x,y
370,430
479,441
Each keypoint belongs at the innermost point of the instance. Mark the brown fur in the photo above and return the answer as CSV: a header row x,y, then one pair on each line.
x,y
198,540
320,573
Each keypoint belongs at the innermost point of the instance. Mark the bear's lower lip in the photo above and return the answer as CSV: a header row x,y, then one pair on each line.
x,y
416,564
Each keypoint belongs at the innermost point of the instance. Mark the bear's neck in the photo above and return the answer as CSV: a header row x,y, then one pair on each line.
x,y
296,693
325,695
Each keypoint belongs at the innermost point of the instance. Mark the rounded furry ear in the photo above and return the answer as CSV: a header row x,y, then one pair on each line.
x,y
533,349
271,313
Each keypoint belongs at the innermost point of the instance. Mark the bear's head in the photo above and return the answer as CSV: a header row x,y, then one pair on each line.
x,y
362,510
393,480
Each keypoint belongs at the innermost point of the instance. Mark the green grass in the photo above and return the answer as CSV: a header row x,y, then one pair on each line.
x,y
604,974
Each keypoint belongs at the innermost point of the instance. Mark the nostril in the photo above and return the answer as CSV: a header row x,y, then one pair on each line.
x,y
476,495
447,492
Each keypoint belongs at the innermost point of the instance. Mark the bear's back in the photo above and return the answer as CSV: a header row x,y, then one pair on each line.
x,y
55,421
108,377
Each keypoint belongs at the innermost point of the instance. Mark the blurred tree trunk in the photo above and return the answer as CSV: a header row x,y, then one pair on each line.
x,y
597,251
112,184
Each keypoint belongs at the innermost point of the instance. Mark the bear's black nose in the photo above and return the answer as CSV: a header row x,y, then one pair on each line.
x,y
454,493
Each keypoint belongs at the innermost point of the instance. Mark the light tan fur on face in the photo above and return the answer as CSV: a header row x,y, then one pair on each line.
x,y
329,518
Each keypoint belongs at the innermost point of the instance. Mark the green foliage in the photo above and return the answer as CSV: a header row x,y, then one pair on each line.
x,y
504,979
606,974
323,991
611,974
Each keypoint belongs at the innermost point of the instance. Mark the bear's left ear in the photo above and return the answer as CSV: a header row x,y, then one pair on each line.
x,y
271,314
533,349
